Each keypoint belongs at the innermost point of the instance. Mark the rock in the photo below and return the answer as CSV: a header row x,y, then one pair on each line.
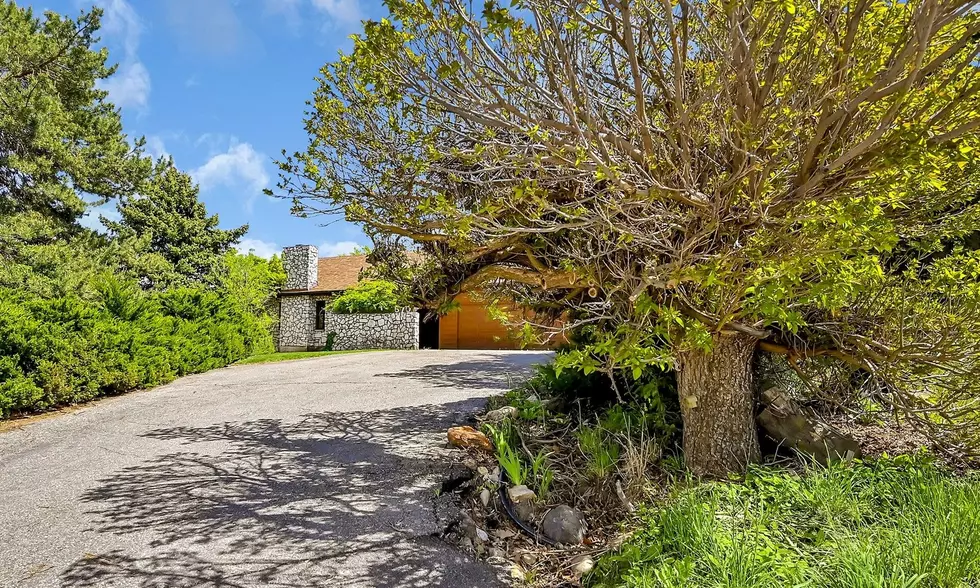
x,y
466,544
521,494
525,510
474,534
467,525
581,565
506,412
483,471
789,424
504,534
517,573
467,437
485,497
498,553
529,559
564,524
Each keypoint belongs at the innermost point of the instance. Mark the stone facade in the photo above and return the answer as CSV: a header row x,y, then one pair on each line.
x,y
297,330
390,330
300,263
393,330
295,323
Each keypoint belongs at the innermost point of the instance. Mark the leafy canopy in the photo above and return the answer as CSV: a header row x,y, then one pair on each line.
x,y
797,173
61,142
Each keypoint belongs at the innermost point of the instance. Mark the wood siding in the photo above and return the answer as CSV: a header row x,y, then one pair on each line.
x,y
471,327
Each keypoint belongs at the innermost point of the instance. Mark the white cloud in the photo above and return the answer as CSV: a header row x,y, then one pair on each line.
x,y
209,28
241,166
155,146
288,9
341,11
130,85
330,249
119,19
259,247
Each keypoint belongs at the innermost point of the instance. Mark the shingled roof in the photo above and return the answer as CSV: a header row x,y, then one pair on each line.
x,y
338,273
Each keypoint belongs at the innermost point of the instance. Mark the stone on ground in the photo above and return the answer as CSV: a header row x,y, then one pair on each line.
x,y
564,524
468,437
520,493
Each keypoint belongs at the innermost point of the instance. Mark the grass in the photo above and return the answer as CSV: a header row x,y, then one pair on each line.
x,y
272,357
895,522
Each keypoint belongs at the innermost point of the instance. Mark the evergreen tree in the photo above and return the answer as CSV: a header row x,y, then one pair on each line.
x,y
59,137
165,234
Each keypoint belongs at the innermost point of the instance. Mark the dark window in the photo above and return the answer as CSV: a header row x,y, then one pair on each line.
x,y
320,307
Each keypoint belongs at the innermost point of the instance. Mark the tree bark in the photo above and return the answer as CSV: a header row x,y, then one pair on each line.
x,y
718,406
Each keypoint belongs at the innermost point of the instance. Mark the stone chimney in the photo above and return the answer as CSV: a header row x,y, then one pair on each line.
x,y
300,262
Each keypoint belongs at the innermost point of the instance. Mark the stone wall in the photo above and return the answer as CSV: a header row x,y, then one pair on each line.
x,y
390,330
300,263
393,330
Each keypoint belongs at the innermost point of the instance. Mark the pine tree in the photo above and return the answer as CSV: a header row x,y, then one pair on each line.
x,y
165,234
59,137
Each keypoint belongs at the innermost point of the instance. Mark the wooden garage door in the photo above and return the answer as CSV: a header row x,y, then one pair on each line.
x,y
471,327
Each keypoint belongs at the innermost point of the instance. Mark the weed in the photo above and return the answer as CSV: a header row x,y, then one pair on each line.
x,y
892,522
542,474
600,450
508,456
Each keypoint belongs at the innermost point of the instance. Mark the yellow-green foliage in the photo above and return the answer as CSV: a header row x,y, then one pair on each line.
x,y
368,296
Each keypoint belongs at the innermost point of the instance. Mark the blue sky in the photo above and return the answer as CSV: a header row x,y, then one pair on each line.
x,y
221,86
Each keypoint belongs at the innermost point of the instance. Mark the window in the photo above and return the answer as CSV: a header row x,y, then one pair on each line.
x,y
320,308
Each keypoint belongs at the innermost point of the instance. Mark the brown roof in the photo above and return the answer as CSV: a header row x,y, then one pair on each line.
x,y
338,273
335,274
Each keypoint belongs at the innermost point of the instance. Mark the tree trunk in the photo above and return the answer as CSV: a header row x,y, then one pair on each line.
x,y
718,406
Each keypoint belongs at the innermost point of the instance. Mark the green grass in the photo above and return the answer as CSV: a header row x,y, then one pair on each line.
x,y
898,522
271,357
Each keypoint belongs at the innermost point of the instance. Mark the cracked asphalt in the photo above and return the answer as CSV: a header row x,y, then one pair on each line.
x,y
316,472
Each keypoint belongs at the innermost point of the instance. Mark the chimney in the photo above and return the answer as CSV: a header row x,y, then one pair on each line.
x,y
300,262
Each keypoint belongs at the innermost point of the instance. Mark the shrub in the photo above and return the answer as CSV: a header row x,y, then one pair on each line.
x,y
69,349
368,296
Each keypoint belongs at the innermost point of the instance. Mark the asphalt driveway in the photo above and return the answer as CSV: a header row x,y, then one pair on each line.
x,y
317,472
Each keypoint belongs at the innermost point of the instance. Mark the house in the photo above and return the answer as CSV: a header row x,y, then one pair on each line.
x,y
305,321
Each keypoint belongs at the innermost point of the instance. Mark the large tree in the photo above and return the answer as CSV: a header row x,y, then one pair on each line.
x,y
166,235
60,139
698,179
62,149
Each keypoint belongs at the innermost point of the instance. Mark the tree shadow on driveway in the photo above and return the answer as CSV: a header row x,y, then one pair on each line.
x,y
333,499
492,373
